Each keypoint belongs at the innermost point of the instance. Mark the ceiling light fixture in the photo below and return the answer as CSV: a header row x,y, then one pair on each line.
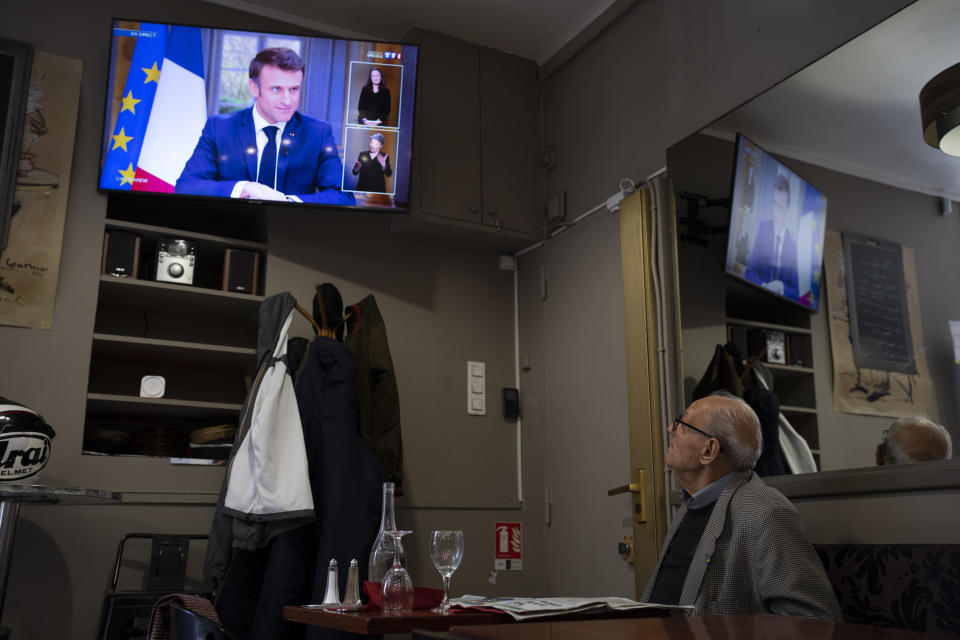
x,y
940,111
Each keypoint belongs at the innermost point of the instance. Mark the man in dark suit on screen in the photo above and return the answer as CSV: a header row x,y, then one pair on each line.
x,y
269,151
773,261
735,545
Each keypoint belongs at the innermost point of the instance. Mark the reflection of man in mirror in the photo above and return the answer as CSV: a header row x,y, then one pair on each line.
x,y
736,545
914,440
773,262
269,151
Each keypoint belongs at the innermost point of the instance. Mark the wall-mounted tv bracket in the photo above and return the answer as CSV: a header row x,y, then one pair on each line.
x,y
699,231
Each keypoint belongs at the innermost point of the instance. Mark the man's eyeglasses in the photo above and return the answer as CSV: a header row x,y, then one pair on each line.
x,y
677,420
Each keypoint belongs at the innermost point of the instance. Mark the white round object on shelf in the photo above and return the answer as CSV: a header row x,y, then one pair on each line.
x,y
152,386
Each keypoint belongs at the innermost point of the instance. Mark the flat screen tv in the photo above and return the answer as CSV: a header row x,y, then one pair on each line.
x,y
216,113
777,223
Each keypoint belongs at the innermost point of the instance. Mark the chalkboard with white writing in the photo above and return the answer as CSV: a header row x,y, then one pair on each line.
x,y
877,297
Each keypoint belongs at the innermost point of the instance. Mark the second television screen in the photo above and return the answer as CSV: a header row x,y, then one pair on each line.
x,y
777,225
183,116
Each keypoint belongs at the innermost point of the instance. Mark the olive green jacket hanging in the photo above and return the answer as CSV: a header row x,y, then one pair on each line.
x,y
378,400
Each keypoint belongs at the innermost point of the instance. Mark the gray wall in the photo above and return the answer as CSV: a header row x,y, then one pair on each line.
x,y
703,165
667,68
663,70
565,337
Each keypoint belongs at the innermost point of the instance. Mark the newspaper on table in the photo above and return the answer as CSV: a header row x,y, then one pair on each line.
x,y
530,608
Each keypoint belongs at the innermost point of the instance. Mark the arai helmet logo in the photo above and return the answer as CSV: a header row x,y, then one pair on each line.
x,y
22,454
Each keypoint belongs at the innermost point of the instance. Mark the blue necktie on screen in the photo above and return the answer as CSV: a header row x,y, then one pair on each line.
x,y
268,161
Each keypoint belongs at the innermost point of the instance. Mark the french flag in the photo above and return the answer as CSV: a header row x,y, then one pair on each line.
x,y
178,114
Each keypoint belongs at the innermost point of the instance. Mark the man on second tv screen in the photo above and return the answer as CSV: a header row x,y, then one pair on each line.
x,y
777,227
773,261
296,156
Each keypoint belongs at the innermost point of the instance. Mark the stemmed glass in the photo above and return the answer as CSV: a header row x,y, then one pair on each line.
x,y
397,586
446,551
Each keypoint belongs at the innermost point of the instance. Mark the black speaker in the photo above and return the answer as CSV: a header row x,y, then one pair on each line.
x,y
241,271
121,254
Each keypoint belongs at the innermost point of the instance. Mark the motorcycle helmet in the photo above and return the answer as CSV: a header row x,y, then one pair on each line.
x,y
24,441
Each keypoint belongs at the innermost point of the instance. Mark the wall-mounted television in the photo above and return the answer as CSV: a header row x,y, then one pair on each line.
x,y
777,224
265,117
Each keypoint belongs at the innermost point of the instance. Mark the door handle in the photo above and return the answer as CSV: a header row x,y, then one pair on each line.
x,y
639,487
633,487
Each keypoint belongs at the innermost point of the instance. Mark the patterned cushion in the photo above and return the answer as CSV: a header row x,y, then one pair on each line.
x,y
913,587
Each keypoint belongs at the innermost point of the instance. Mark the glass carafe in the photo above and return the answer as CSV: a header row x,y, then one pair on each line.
x,y
383,553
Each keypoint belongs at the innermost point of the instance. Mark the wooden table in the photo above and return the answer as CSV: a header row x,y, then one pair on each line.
x,y
377,622
740,627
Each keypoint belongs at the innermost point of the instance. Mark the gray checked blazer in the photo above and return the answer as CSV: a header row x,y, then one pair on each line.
x,y
753,557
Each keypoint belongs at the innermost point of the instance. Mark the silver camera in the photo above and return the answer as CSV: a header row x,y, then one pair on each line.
x,y
175,261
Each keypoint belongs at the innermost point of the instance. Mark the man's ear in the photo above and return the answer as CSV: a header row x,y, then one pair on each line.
x,y
254,88
710,451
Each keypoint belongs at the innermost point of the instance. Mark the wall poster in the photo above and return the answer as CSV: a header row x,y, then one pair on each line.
x,y
30,265
896,391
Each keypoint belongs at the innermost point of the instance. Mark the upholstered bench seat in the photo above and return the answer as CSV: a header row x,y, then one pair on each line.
x,y
904,586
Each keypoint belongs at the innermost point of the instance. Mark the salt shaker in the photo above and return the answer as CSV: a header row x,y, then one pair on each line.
x,y
333,584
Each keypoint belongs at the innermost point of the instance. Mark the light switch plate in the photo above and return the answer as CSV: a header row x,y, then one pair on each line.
x,y
476,388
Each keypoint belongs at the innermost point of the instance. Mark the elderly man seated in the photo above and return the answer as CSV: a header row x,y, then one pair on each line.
x,y
914,440
736,545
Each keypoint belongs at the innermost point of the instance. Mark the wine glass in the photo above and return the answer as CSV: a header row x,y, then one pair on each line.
x,y
397,590
446,551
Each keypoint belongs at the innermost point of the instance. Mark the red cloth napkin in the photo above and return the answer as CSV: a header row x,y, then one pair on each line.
x,y
423,598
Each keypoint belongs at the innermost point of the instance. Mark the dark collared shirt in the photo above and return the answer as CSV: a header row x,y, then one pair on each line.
x,y
707,495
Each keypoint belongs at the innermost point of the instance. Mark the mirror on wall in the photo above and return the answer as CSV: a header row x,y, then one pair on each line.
x,y
849,127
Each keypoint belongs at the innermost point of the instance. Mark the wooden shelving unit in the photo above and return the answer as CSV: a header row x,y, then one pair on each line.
x,y
749,313
200,339
134,406
124,348
147,295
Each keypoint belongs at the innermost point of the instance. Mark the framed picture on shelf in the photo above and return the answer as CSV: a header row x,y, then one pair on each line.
x,y
776,347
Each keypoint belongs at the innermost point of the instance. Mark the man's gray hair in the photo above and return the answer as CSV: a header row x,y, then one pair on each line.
x,y
917,439
734,423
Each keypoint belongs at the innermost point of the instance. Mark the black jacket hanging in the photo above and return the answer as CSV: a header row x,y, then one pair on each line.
x,y
345,476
